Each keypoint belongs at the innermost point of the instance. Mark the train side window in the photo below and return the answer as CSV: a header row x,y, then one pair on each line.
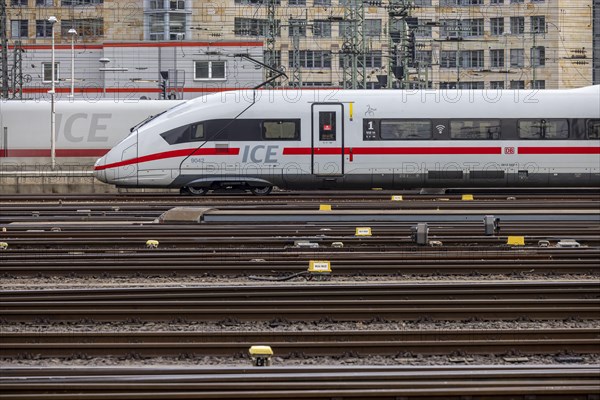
x,y
594,129
475,129
551,129
281,130
177,135
327,128
405,130
197,132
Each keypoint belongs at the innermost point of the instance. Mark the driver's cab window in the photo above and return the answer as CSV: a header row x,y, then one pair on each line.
x,y
197,132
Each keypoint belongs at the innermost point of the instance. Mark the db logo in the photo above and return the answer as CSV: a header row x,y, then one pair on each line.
x,y
509,150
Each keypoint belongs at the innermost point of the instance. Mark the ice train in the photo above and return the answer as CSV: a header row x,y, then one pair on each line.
x,y
359,139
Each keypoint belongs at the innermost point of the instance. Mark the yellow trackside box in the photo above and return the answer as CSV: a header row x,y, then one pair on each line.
x,y
516,240
152,244
323,267
260,351
397,198
467,197
325,207
260,355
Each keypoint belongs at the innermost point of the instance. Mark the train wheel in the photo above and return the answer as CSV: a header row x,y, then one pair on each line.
x,y
197,191
261,191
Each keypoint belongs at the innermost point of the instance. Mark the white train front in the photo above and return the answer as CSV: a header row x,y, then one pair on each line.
x,y
345,139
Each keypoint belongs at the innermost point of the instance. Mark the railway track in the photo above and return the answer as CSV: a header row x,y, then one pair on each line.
x,y
138,345
493,301
476,382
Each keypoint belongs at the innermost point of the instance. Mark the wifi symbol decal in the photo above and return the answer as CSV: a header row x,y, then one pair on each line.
x,y
440,128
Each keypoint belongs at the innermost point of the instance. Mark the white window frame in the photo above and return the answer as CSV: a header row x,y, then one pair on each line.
x,y
56,72
210,78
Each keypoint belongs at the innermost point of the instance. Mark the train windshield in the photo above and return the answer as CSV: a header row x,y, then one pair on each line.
x,y
151,117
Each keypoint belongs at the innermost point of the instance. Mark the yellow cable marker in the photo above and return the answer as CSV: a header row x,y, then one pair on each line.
x,y
152,244
319,266
325,207
516,240
363,231
467,197
397,198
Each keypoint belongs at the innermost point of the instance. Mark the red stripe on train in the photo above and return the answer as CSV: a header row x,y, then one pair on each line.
x,y
559,150
296,151
172,154
59,152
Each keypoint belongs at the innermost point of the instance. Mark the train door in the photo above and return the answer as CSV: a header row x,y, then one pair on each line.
x,y
327,139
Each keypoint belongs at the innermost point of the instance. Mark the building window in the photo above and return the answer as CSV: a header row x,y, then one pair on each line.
x,y
209,70
473,27
44,3
89,27
43,28
472,58
447,59
538,24
297,2
517,25
447,85
372,27
18,2
497,85
540,84
176,26
299,25
312,59
517,1
497,26
424,29
450,3
471,85
19,28
497,2
424,57
517,58
322,2
321,28
373,59
517,84
538,56
157,26
255,2
254,27
81,2
497,58
450,28
47,72
176,5
276,62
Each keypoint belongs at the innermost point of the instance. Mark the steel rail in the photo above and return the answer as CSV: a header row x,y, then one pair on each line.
x,y
322,383
308,343
284,291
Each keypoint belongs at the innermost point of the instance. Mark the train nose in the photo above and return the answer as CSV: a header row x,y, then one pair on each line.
x,y
99,171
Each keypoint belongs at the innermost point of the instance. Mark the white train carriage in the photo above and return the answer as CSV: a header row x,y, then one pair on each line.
x,y
336,139
85,130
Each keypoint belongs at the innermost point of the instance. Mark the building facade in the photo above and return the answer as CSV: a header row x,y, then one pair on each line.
x,y
400,43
